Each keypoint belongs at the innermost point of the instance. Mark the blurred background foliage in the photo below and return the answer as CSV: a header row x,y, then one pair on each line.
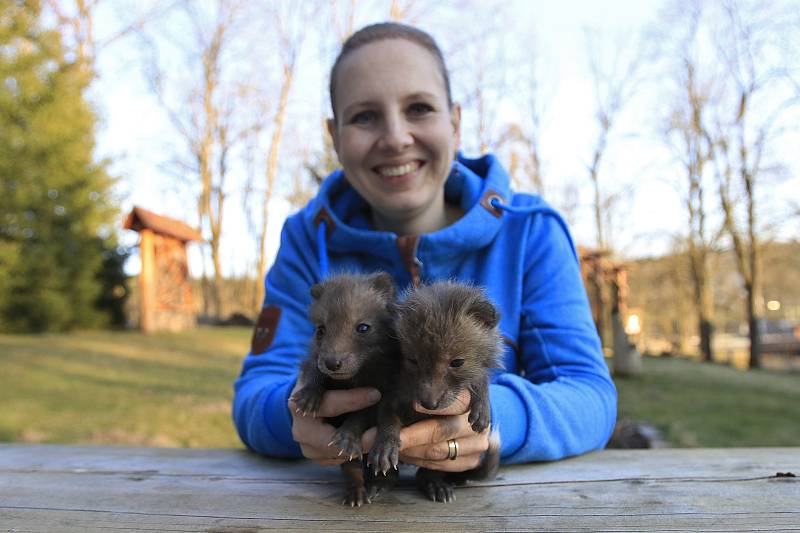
x,y
59,262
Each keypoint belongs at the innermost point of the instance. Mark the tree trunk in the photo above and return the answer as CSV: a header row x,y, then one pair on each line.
x,y
217,292
755,321
706,314
755,341
706,337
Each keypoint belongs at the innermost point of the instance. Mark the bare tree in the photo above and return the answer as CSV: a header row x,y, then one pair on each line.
x,y
204,116
478,59
687,133
289,27
523,137
525,164
78,20
400,10
615,77
748,124
343,16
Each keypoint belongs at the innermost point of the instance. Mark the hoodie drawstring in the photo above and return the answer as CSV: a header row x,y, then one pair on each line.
x,y
322,249
497,204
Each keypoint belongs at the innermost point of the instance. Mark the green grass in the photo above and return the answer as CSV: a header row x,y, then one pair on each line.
x,y
106,387
121,387
710,405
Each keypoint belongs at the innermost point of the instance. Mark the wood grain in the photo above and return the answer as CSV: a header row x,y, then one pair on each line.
x,y
71,488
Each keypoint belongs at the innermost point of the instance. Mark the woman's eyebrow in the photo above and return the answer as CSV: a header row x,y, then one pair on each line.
x,y
421,94
357,105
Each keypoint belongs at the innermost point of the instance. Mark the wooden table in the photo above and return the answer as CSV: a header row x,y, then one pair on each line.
x,y
80,488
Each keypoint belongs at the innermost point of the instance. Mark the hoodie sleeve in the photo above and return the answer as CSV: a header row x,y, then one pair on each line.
x,y
261,392
564,402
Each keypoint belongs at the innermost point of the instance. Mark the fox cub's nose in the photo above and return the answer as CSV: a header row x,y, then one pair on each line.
x,y
427,404
332,363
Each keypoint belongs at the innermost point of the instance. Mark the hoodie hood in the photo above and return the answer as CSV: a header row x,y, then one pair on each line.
x,y
471,183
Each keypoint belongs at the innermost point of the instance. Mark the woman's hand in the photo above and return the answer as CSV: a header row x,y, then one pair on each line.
x,y
314,435
425,443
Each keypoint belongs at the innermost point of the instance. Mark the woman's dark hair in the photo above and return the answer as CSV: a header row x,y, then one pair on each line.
x,y
381,32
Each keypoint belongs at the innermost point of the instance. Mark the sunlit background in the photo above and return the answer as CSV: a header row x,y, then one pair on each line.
x,y
665,132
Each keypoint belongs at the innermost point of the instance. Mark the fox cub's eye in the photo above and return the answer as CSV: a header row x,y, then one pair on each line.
x,y
455,363
362,328
320,331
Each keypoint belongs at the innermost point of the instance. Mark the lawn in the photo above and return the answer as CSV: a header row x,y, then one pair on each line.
x,y
108,387
709,405
105,387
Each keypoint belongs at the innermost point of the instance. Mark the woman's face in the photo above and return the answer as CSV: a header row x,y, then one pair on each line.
x,y
395,133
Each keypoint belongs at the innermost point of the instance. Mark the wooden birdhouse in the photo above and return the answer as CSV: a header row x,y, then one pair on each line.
x,y
165,293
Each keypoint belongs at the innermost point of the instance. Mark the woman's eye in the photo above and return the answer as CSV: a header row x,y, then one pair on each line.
x,y
320,331
455,363
362,328
420,109
363,117
412,362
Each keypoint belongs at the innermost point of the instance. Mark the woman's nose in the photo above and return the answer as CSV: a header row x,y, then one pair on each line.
x,y
396,134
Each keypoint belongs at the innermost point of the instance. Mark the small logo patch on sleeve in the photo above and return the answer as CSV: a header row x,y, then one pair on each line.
x,y
265,328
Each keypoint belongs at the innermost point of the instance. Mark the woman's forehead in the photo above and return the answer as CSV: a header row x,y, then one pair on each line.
x,y
388,67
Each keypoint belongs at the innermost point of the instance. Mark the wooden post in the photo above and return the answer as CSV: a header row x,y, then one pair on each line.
x,y
147,282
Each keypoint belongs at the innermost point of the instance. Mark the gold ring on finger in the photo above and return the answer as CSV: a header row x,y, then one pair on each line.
x,y
452,449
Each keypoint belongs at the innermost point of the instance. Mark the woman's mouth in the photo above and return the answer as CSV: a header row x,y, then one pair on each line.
x,y
398,171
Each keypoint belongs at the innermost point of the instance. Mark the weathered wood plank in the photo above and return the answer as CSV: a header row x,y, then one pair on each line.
x,y
608,464
62,488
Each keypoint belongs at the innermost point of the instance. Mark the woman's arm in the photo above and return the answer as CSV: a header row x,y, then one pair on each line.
x,y
565,404
270,370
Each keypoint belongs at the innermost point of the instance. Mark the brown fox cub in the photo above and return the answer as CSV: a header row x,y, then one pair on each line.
x,y
449,342
353,346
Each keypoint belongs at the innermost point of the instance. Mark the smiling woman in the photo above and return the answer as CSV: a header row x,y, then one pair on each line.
x,y
406,203
396,134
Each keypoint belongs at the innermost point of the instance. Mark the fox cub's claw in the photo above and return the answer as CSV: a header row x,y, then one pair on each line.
x,y
479,417
385,454
307,400
348,442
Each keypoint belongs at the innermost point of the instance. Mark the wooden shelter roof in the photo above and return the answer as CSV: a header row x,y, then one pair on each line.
x,y
140,218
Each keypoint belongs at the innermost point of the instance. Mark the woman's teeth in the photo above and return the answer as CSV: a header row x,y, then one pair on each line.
x,y
399,170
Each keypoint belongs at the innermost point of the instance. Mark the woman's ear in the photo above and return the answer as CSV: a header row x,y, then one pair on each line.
x,y
331,125
455,121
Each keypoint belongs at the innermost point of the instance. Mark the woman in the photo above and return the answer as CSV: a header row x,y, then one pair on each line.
x,y
403,203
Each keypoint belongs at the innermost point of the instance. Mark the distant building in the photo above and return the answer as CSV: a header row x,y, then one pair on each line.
x,y
165,293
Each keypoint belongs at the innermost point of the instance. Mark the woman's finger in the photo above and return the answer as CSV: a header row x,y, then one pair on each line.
x,y
338,402
311,432
433,430
440,451
314,437
460,464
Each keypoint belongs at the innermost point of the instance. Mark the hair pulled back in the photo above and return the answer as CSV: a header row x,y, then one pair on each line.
x,y
381,32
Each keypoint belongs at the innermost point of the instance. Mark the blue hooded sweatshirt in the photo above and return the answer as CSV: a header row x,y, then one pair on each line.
x,y
554,398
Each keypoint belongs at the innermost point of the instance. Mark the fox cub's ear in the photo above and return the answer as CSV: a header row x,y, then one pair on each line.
x,y
384,283
485,312
316,291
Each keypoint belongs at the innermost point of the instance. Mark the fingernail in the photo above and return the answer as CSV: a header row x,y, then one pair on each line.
x,y
374,395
